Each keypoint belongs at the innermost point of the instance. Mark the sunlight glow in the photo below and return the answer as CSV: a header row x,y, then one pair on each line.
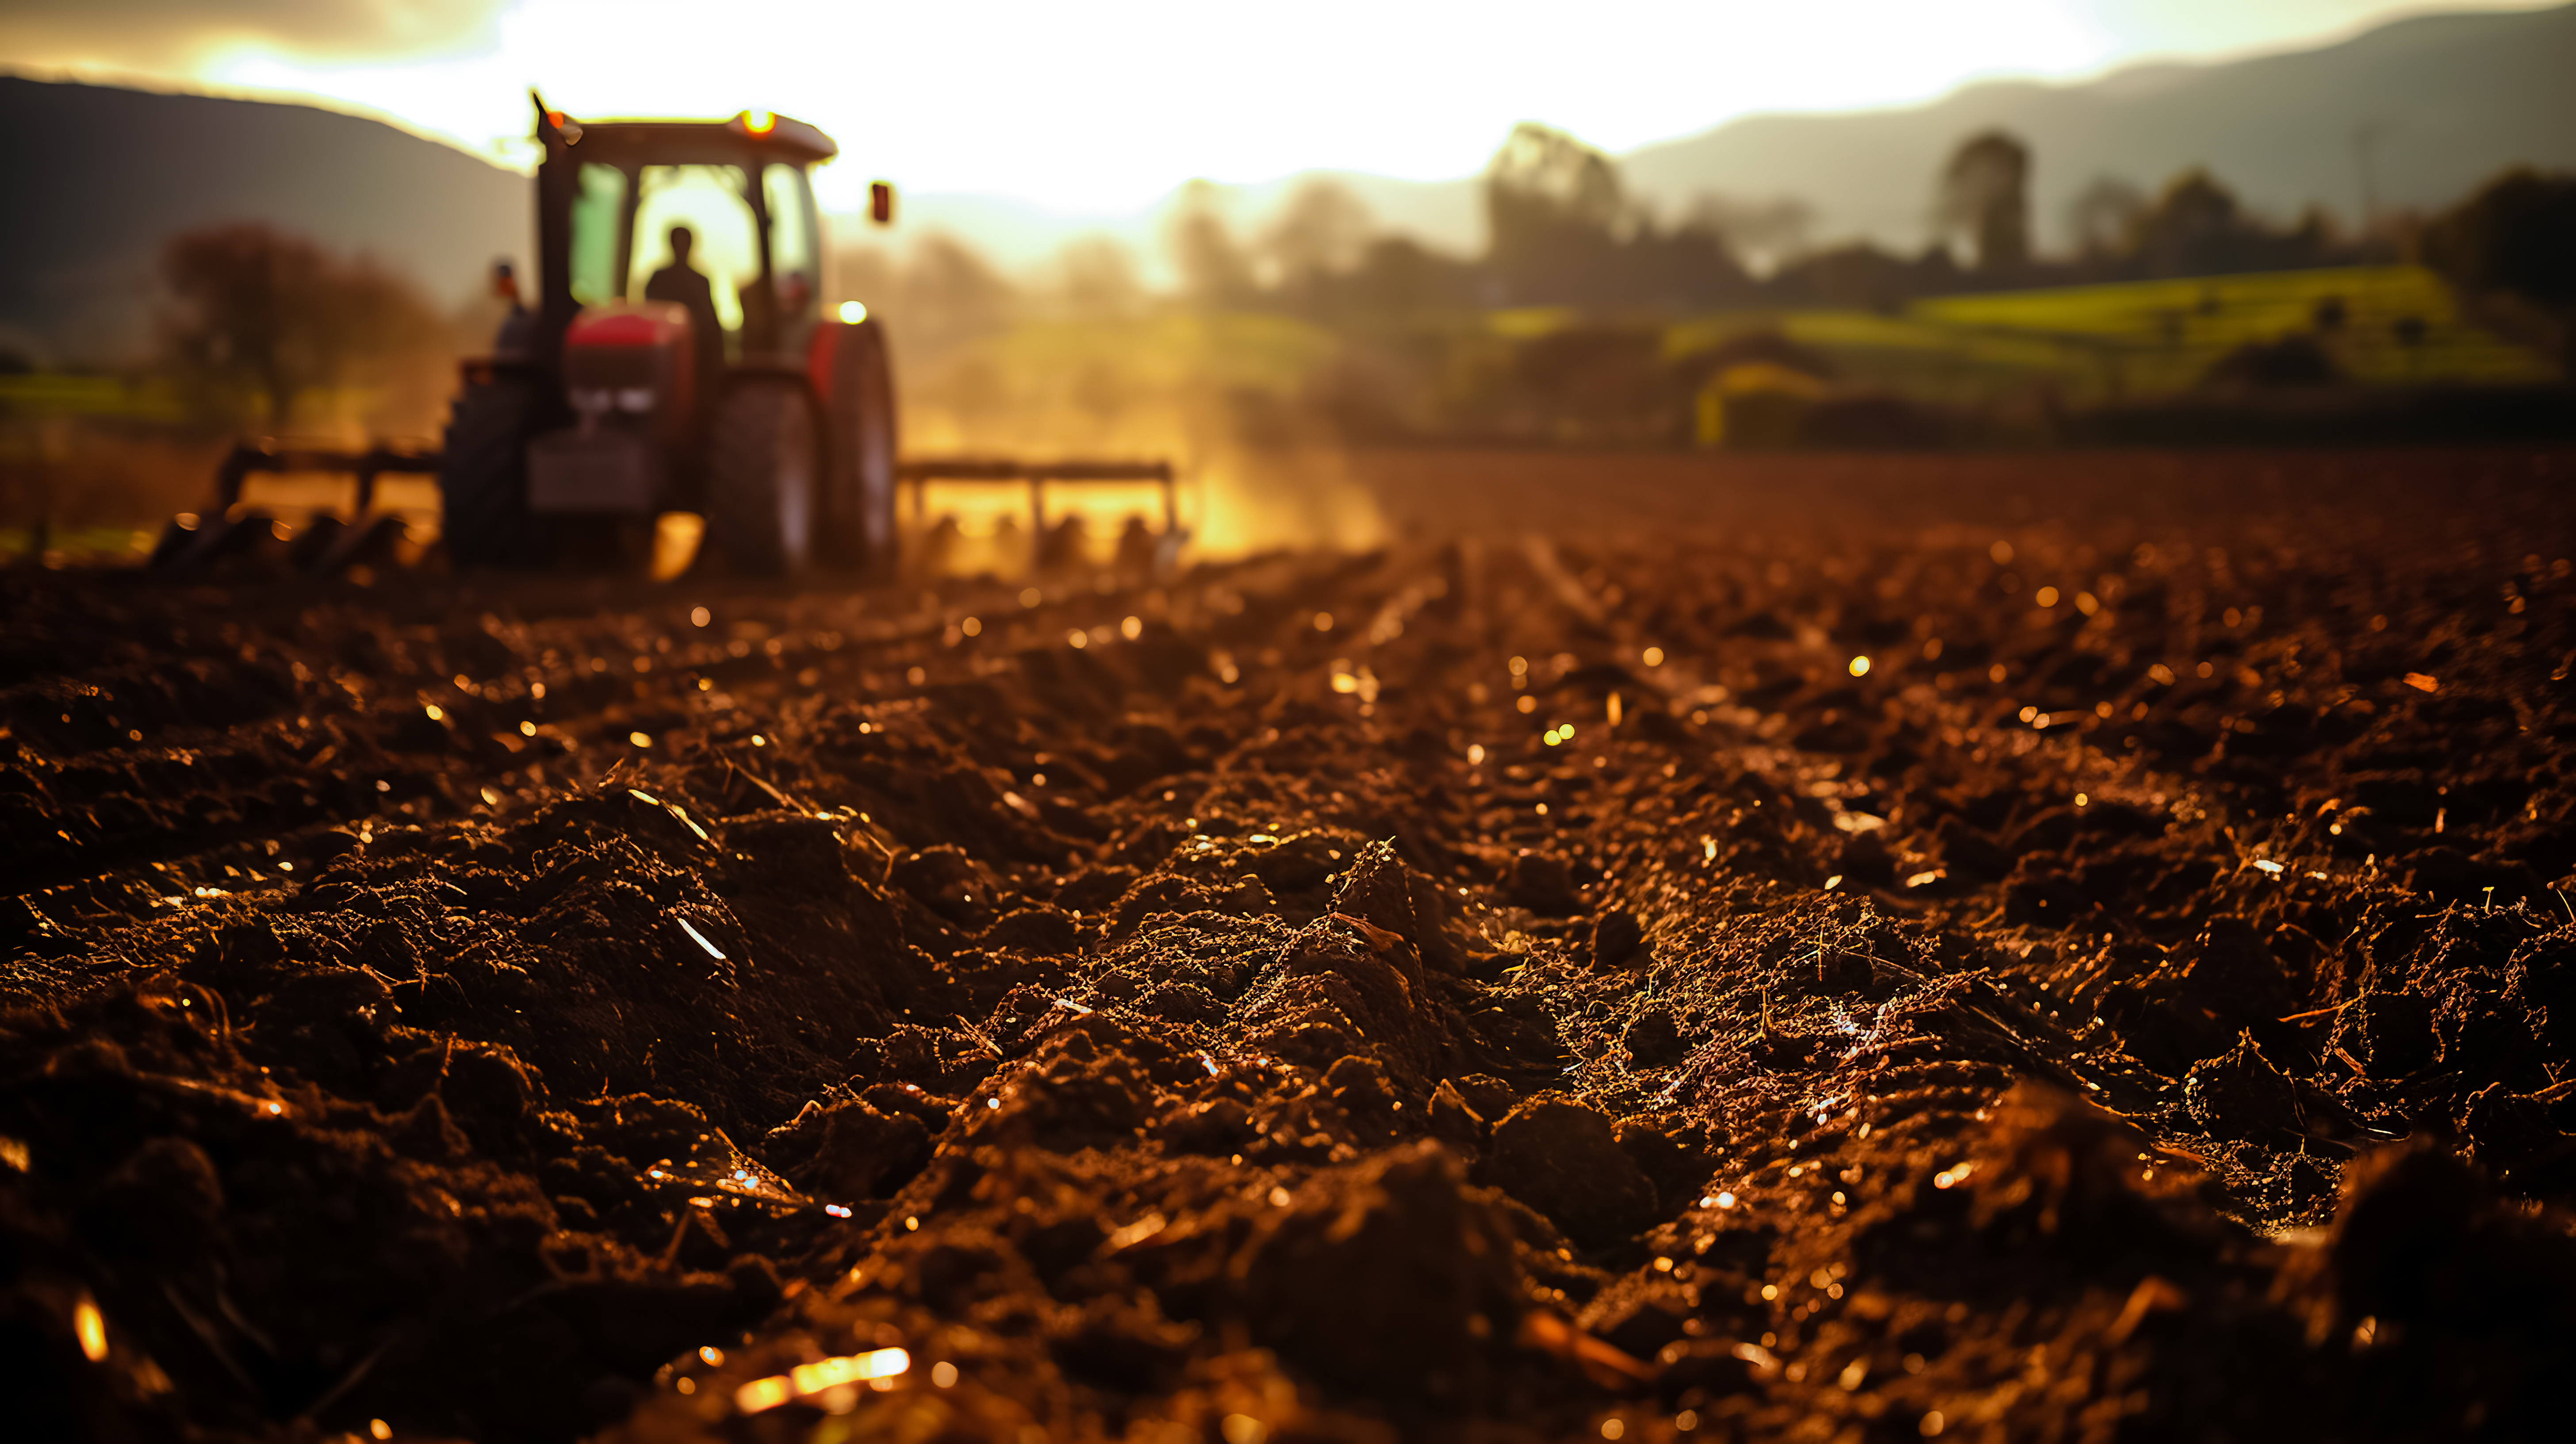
x,y
1096,109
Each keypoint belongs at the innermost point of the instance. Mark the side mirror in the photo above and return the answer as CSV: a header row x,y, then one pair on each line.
x,y
881,202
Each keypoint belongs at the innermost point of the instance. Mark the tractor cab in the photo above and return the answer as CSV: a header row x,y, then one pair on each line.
x,y
739,195
682,362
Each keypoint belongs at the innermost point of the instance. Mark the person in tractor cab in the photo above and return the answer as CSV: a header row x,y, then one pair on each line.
x,y
680,282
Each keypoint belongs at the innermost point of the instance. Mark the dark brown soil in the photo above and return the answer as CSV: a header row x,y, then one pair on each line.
x,y
513,1011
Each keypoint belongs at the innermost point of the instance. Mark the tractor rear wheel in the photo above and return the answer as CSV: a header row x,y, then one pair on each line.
x,y
764,477
483,473
859,503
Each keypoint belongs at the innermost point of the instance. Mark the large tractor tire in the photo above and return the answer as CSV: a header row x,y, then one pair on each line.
x,y
765,478
859,500
483,473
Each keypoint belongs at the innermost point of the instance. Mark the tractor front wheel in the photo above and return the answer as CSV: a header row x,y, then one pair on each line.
x,y
483,473
764,482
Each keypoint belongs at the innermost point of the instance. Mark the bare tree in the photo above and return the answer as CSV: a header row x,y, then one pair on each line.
x,y
1985,191
263,317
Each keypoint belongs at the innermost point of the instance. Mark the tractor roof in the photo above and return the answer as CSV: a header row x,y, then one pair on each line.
x,y
748,138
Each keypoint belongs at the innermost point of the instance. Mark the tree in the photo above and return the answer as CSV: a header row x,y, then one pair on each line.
x,y
950,294
2192,228
1097,278
1321,229
2198,228
2517,234
1764,232
1551,175
932,297
867,274
1689,265
1864,276
2104,216
262,317
1398,277
1213,267
1555,210
1564,231
2512,247
1985,191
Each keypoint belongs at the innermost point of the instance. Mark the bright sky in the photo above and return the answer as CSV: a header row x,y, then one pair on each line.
x,y
1105,105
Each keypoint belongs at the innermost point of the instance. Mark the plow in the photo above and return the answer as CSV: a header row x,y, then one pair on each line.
x,y
327,543
682,357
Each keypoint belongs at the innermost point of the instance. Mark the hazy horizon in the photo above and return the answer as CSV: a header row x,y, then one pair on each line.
x,y
1423,96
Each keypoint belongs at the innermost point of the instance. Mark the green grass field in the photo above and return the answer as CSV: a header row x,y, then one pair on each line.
x,y
2399,325
53,394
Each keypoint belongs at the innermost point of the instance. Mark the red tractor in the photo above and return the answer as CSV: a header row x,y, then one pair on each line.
x,y
737,398
680,359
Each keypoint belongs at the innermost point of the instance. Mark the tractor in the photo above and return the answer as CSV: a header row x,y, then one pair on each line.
x,y
779,429
680,358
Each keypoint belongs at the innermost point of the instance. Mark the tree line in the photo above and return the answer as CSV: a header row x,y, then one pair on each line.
x,y
1564,229
267,330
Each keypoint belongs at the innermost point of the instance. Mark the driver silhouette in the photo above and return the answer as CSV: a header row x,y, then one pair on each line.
x,y
680,282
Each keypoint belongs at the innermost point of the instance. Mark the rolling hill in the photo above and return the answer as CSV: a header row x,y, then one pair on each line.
x,y
2440,103
97,176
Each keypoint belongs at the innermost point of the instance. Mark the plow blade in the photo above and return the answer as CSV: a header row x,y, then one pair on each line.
x,y
232,535
326,546
919,472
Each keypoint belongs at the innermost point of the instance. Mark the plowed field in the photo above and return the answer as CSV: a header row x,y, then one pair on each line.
x,y
2061,948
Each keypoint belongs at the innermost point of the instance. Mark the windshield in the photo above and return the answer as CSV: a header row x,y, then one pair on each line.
x,y
795,242
708,199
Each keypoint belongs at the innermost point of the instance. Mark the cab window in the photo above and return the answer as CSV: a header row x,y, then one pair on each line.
x,y
708,199
598,208
795,245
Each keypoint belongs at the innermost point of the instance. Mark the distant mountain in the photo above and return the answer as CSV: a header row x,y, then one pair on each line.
x,y
2426,108
2436,104
97,177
